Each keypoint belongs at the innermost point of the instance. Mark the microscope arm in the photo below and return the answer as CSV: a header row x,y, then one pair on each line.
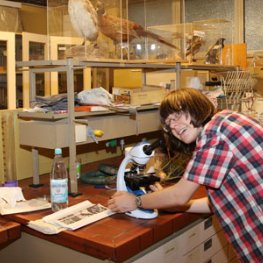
x,y
121,186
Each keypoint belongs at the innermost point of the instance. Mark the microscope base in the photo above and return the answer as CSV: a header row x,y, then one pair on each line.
x,y
142,214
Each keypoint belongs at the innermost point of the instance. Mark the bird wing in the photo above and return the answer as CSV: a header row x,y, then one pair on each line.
x,y
120,29
83,17
114,28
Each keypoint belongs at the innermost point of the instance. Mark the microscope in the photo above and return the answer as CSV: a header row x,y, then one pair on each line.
x,y
134,180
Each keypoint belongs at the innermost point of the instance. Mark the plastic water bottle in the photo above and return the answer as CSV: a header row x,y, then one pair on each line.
x,y
58,182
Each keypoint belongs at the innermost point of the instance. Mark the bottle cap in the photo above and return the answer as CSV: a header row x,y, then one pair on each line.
x,y
58,151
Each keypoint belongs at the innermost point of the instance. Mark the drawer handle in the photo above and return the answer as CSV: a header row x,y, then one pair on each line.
x,y
208,223
208,244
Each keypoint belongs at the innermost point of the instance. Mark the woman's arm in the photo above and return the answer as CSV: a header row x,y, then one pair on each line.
x,y
173,196
200,205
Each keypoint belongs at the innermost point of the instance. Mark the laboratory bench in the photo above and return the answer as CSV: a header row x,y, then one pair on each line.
x,y
114,239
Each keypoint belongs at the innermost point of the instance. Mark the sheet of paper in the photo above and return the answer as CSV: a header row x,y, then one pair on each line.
x,y
9,196
43,227
25,206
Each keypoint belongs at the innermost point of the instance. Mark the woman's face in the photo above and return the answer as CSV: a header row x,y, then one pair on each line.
x,y
180,126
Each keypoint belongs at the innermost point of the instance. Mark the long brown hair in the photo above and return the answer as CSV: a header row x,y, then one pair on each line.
x,y
187,101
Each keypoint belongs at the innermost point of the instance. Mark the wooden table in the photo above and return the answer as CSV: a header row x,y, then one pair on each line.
x,y
117,237
9,232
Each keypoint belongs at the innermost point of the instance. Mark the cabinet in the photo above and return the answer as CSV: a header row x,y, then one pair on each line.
x,y
50,130
7,71
202,242
14,86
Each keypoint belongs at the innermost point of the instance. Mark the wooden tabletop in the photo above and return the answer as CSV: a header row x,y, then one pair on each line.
x,y
9,232
117,237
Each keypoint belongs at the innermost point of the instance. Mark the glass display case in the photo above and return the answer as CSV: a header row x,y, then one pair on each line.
x,y
204,41
117,29
215,35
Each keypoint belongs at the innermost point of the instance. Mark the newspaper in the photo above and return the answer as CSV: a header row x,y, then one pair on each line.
x,y
78,215
71,218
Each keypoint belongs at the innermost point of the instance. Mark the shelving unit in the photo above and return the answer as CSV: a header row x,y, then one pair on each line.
x,y
50,130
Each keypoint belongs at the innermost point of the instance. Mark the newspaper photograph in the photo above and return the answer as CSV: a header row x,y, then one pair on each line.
x,y
78,215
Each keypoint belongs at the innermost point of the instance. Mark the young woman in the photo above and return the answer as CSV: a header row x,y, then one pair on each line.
x,y
227,160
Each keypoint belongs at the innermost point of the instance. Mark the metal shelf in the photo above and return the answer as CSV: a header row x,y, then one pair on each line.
x,y
136,122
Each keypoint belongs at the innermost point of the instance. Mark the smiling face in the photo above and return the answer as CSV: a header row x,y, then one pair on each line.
x,y
179,124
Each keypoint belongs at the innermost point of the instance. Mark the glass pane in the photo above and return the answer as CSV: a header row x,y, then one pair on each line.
x,y
19,81
62,51
3,75
37,52
210,9
78,81
208,24
253,24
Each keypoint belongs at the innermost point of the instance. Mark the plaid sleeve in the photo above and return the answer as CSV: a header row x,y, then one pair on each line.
x,y
211,161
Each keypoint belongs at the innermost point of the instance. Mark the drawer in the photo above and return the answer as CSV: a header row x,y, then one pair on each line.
x,y
205,251
210,227
219,257
194,256
166,253
198,234
191,238
212,245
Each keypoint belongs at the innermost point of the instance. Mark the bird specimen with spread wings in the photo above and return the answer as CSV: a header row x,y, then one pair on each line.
x,y
123,30
83,17
213,54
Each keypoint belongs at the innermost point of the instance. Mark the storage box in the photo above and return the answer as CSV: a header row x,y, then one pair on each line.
x,y
139,96
235,54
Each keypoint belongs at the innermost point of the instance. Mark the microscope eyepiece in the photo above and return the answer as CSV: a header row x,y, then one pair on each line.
x,y
148,149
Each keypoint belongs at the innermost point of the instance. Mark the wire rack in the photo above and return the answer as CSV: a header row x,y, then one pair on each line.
x,y
238,89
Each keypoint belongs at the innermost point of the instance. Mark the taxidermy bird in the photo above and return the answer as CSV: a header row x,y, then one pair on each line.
x,y
213,54
194,44
83,17
123,30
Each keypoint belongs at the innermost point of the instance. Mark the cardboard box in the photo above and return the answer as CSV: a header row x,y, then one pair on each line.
x,y
235,55
139,96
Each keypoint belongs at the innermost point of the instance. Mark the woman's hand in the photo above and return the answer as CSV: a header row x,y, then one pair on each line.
x,y
122,202
156,187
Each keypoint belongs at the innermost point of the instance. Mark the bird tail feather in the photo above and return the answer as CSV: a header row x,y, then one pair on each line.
x,y
160,39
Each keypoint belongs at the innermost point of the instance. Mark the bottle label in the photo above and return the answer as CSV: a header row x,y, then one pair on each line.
x,y
78,169
59,190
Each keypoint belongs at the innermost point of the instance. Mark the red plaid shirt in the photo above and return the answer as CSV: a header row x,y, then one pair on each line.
x,y
228,160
